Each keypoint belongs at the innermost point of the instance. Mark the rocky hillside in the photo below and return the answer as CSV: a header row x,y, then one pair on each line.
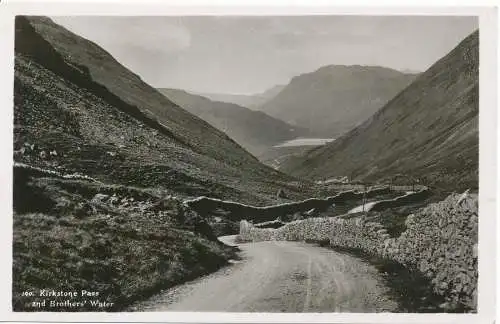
x,y
73,233
253,130
428,131
98,118
335,98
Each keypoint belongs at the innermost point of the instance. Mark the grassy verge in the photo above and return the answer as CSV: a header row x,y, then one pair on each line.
x,y
118,244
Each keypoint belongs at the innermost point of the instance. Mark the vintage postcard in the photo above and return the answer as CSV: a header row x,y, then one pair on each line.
x,y
190,165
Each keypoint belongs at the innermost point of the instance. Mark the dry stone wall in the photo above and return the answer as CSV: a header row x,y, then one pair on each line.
x,y
440,241
238,211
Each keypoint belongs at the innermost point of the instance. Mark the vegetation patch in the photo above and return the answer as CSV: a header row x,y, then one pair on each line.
x,y
122,246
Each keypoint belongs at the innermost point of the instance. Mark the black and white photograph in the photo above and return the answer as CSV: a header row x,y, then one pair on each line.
x,y
246,163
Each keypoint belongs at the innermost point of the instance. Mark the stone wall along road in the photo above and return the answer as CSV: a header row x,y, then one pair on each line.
x,y
440,241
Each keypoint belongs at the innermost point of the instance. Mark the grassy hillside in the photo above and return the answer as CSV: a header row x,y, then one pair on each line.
x,y
335,98
73,97
253,130
428,131
121,242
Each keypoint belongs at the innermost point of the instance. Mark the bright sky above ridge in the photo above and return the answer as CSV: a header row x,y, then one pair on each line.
x,y
251,54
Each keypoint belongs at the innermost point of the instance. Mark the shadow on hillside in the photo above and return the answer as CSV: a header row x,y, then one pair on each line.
x,y
409,287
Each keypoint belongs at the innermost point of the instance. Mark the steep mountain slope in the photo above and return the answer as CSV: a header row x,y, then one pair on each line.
x,y
73,97
102,164
250,101
336,98
253,130
429,131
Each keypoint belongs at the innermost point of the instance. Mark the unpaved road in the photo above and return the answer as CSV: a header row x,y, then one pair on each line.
x,y
360,208
281,277
369,205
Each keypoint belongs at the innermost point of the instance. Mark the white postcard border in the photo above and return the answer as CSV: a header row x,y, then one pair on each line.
x,y
488,157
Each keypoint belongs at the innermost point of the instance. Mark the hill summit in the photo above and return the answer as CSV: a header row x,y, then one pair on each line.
x,y
335,98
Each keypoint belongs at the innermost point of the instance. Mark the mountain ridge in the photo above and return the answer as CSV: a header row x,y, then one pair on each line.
x,y
252,101
159,134
428,131
338,97
112,75
253,130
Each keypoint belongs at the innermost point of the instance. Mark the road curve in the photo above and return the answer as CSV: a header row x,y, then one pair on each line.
x,y
281,277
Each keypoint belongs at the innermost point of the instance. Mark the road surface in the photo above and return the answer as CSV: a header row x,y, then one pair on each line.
x,y
281,277
369,205
360,208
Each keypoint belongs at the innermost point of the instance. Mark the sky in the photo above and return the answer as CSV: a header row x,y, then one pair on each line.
x,y
247,55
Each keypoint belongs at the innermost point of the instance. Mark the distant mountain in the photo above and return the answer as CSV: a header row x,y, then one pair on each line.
x,y
271,92
254,130
336,98
410,71
250,101
237,99
428,131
